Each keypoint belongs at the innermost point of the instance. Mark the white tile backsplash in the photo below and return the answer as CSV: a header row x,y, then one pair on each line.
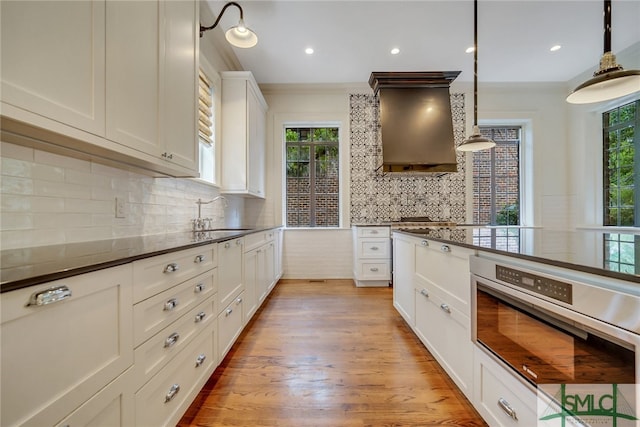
x,y
47,199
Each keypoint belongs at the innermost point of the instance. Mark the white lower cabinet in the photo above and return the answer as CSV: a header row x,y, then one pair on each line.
x,y
230,324
62,342
404,253
499,397
163,400
112,406
372,256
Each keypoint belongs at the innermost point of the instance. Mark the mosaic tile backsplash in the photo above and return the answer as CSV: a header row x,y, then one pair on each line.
x,y
378,197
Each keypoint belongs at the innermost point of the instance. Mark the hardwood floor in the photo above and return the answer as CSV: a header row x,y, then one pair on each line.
x,y
329,354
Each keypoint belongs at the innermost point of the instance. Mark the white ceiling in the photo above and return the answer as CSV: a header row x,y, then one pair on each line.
x,y
353,38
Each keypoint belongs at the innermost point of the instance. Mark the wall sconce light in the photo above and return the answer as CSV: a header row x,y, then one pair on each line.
x,y
611,80
238,36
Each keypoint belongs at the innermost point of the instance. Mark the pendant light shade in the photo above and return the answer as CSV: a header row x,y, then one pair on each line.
x,y
611,80
238,36
475,142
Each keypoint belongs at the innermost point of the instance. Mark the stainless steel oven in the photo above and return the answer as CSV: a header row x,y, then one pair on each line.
x,y
552,328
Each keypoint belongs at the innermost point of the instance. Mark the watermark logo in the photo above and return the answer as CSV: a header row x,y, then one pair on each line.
x,y
595,405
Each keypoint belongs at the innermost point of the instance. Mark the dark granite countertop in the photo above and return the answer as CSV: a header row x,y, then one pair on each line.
x,y
24,267
605,253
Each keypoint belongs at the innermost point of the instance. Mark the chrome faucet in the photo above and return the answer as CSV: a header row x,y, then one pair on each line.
x,y
205,223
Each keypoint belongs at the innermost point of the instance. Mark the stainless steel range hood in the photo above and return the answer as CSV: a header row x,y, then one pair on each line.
x,y
415,119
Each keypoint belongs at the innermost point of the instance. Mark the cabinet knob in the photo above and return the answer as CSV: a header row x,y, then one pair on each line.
x,y
200,360
171,340
198,288
424,293
506,407
200,316
227,245
170,268
445,248
172,393
49,296
424,243
171,304
239,300
199,259
374,269
228,312
238,242
445,308
374,231
374,248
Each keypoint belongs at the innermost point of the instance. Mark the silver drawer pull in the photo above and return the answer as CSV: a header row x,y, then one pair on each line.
x,y
171,304
374,231
199,259
424,293
504,405
374,248
50,295
171,340
239,300
228,312
198,288
170,268
424,243
172,393
227,245
374,269
445,248
200,360
445,308
200,317
238,242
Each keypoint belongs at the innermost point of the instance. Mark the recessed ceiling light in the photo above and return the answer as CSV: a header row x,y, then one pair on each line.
x,y
470,49
555,47
395,51
308,51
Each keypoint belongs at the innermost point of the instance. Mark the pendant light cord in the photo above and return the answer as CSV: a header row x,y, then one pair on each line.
x,y
607,26
475,62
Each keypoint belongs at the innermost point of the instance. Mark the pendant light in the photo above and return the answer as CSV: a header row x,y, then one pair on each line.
x,y
475,141
611,80
238,36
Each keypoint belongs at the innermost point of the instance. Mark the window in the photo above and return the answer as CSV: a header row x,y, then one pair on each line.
x,y
620,145
312,177
496,178
621,252
208,111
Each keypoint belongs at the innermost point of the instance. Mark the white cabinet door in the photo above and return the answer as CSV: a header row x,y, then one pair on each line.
x,y
133,74
243,135
179,96
230,323
56,356
403,268
251,280
229,271
53,60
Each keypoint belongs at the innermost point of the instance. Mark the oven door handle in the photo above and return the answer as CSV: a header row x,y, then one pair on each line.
x,y
504,405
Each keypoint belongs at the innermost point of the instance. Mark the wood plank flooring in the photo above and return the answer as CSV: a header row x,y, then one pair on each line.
x,y
329,354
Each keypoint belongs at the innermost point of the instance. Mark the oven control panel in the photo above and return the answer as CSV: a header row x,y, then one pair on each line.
x,y
555,289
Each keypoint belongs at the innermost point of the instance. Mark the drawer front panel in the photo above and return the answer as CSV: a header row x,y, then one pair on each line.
x,y
163,399
56,356
155,353
374,270
230,322
153,314
374,248
373,232
154,275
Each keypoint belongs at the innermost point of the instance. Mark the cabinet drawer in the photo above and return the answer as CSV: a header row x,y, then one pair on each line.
x,y
56,356
111,407
156,274
496,391
255,240
373,231
153,314
374,248
373,270
163,400
151,356
230,322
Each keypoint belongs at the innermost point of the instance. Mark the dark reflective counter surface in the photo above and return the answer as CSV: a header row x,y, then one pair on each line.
x,y
30,266
606,253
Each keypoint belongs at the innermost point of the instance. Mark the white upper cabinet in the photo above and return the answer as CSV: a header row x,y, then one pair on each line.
x,y
53,60
114,79
243,135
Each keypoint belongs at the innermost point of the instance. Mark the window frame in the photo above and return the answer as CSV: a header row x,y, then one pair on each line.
x,y
216,84
312,172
